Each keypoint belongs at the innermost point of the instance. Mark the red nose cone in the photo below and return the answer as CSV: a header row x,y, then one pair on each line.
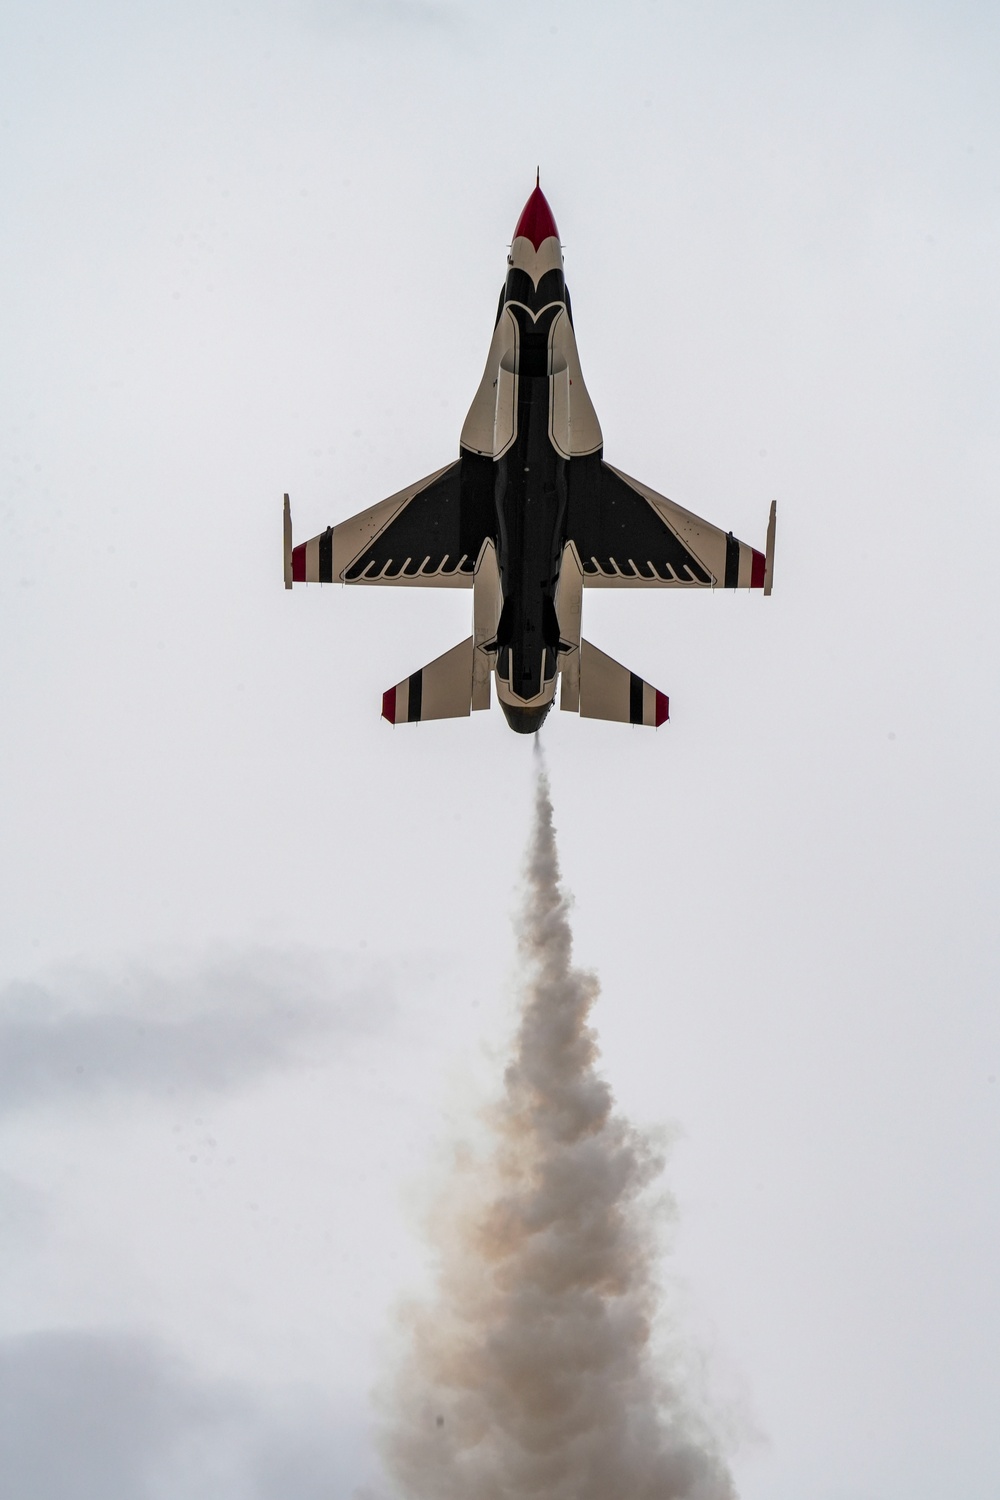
x,y
536,222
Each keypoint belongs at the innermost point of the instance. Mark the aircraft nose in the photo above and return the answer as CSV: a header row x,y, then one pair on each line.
x,y
536,222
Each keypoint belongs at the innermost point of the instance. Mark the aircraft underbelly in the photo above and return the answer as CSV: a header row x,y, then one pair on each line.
x,y
531,521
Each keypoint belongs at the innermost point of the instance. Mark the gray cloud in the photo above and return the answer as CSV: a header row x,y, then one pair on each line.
x,y
23,1216
402,12
111,1416
214,1027
384,17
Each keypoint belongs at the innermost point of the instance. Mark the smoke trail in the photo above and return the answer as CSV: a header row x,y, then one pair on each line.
x,y
532,1375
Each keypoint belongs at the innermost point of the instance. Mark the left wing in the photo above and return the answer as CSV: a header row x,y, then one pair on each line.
x,y
627,535
430,533
443,689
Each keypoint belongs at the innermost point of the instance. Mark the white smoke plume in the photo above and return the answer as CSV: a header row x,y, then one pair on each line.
x,y
532,1376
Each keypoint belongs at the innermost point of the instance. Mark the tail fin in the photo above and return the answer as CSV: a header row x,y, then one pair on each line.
x,y
441,690
610,691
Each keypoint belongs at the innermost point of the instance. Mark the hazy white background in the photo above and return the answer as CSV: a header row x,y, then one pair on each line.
x,y
255,943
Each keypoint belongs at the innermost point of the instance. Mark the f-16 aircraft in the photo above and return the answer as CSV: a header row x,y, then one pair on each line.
x,y
528,516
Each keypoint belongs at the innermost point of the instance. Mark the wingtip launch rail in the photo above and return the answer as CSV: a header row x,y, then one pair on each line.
x,y
528,516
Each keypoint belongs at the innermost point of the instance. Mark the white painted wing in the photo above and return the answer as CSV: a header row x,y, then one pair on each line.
x,y
628,536
610,691
422,535
441,690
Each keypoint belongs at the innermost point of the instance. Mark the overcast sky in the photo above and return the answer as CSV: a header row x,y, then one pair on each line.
x,y
255,948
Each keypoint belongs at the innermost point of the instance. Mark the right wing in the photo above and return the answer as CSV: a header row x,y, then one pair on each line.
x,y
426,534
628,535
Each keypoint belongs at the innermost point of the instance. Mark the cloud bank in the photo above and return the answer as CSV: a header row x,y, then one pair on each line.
x,y
111,1416
213,1028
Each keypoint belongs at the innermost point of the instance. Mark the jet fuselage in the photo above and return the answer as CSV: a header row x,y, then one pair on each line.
x,y
530,465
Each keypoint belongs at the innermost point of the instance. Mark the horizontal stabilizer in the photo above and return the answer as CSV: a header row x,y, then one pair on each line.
x,y
441,690
610,691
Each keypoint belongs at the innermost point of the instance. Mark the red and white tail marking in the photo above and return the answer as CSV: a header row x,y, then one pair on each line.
x,y
610,691
441,690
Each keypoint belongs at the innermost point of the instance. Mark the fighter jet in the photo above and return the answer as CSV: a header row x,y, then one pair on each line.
x,y
527,517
